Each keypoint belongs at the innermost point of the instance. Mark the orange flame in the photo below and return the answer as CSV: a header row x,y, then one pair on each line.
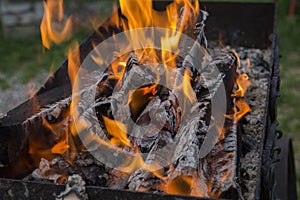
x,y
241,109
118,130
73,61
62,135
54,28
180,185
243,83
118,69
187,88
186,185
140,14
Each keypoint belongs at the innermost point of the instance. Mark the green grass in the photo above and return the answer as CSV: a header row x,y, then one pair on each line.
x,y
289,109
28,57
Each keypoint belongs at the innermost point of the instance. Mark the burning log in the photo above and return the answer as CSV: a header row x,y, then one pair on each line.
x,y
187,161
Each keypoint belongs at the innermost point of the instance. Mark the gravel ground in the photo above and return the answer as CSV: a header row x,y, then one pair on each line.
x,y
17,93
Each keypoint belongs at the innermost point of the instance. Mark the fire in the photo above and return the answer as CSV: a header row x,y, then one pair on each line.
x,y
62,145
73,61
186,185
187,88
149,91
242,108
54,28
243,83
139,14
118,69
117,130
180,185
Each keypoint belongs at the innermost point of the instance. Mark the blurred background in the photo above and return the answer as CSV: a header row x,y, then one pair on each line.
x,y
25,64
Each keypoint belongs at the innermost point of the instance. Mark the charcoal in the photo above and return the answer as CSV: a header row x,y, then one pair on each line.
x,y
58,170
136,75
46,173
117,179
164,115
199,29
143,181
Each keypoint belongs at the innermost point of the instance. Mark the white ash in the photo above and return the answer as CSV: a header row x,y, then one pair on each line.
x,y
41,173
249,173
253,124
75,189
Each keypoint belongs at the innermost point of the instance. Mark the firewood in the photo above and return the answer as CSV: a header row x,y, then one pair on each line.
x,y
187,159
58,170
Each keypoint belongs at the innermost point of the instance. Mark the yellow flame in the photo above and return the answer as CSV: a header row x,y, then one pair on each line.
x,y
187,88
243,83
180,185
118,130
73,61
61,132
242,108
118,69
